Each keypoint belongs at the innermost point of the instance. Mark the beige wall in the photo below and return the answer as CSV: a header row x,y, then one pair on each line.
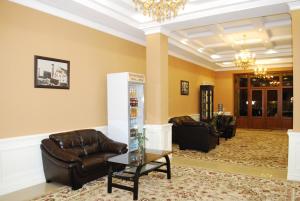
x,y
27,110
224,89
296,61
157,79
183,70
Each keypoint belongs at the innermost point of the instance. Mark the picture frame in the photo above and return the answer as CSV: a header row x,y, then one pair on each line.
x,y
184,87
51,73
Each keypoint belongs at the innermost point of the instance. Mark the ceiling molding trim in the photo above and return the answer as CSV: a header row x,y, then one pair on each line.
x,y
230,8
106,9
154,30
176,41
172,53
294,5
190,50
269,66
79,20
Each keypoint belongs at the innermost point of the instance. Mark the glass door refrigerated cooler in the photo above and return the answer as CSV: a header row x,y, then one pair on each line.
x,y
125,103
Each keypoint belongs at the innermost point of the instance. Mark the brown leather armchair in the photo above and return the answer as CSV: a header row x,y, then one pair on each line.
x,y
77,157
191,134
225,125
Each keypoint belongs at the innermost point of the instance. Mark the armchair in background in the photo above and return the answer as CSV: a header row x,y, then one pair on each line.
x,y
191,134
225,125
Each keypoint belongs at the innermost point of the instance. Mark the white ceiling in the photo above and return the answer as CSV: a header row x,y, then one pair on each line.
x,y
206,32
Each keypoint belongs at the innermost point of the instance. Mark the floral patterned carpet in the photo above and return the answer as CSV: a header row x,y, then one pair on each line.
x,y
187,183
259,148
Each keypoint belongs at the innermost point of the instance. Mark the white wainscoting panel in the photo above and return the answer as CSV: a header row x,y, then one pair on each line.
x,y
195,116
21,161
159,136
294,156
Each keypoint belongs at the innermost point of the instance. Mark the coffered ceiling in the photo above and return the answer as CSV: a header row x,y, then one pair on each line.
x,y
269,37
206,32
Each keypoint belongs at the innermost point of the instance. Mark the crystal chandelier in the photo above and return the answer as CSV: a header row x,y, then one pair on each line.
x,y
274,83
160,10
260,71
244,59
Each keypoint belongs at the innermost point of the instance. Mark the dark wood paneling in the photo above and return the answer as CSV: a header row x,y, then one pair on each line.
x,y
242,122
258,123
273,123
287,123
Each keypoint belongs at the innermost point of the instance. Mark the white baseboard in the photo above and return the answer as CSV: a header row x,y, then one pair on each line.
x,y
294,156
21,161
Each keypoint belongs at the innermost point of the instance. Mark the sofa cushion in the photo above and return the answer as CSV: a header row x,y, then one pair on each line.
x,y
94,161
79,143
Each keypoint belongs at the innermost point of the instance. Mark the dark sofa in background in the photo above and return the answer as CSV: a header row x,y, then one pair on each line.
x,y
190,134
225,125
77,157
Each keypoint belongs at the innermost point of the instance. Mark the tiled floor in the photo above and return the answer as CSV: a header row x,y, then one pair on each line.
x,y
38,190
30,193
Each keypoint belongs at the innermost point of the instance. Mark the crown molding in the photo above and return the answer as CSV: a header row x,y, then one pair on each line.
x,y
79,20
269,66
294,5
154,30
172,53
140,39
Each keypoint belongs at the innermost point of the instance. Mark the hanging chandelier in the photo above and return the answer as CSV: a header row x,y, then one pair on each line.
x,y
159,10
274,83
244,59
260,71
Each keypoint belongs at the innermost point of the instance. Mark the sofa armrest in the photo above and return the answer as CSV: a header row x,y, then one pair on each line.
x,y
232,123
59,153
114,147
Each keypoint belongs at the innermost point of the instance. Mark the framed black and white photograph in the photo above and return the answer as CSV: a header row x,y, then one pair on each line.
x,y
184,87
51,73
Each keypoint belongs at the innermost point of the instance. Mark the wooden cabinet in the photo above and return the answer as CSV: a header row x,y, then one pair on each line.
x,y
206,102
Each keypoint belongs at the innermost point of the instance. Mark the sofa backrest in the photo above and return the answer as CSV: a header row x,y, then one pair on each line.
x,y
79,142
178,121
223,120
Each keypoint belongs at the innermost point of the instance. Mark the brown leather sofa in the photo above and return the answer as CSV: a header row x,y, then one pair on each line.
x,y
77,157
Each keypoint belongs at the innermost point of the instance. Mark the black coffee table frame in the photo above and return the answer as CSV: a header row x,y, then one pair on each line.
x,y
133,174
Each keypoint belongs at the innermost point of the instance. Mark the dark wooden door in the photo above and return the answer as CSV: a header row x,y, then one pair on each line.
x,y
261,104
273,108
257,109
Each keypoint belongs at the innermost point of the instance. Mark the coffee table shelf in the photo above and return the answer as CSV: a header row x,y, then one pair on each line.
x,y
136,168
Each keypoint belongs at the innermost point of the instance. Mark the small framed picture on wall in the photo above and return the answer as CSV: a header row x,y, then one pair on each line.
x,y
184,87
51,73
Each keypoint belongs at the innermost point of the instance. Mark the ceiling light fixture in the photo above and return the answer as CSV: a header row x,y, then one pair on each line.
x,y
160,10
260,71
227,63
271,51
200,49
184,41
215,56
244,59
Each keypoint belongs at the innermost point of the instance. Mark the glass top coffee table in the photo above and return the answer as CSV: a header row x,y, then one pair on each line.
x,y
137,164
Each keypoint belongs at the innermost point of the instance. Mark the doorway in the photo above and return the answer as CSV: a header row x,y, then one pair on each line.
x,y
264,103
